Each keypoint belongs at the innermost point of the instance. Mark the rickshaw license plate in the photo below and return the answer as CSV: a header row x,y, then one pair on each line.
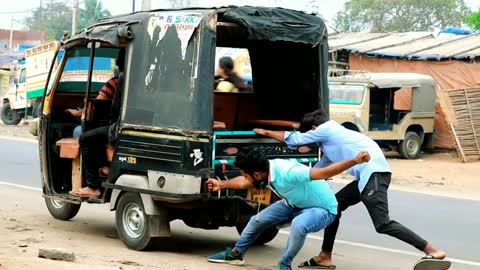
x,y
262,196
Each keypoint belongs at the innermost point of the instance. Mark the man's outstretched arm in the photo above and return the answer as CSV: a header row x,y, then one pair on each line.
x,y
277,135
339,167
238,183
294,139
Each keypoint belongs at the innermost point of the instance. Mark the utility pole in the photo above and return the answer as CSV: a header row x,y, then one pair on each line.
x,y
133,5
74,16
11,35
146,5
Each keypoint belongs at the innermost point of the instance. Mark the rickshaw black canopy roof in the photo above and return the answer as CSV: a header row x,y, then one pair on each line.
x,y
262,23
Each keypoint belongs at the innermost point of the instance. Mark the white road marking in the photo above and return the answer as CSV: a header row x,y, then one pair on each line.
x,y
18,139
314,237
391,250
20,186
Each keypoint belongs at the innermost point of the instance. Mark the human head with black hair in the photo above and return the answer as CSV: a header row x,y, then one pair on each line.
x,y
225,67
254,166
225,70
311,121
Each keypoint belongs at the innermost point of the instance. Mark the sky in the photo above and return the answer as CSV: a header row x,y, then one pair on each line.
x,y
19,9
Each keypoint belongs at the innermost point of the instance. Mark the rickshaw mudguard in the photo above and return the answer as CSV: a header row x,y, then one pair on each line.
x,y
140,182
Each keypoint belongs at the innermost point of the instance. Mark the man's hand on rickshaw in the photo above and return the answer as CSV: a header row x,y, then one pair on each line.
x,y
213,185
260,131
362,157
74,113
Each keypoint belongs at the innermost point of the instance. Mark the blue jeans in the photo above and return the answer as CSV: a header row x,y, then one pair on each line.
x,y
304,221
77,132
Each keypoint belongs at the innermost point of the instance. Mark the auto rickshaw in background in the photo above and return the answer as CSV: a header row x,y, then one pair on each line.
x,y
397,110
175,132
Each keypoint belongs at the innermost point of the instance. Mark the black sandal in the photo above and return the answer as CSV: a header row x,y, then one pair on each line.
x,y
312,264
429,262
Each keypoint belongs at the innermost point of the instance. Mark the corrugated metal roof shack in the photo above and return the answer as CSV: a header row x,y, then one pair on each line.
x,y
451,59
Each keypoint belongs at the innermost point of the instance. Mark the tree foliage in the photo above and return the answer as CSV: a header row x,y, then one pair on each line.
x,y
55,18
400,15
92,12
474,20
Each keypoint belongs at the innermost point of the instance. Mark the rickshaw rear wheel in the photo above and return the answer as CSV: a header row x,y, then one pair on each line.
x,y
265,237
62,210
133,223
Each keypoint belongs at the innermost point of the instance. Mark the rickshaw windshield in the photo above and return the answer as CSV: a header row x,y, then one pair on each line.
x,y
75,72
346,94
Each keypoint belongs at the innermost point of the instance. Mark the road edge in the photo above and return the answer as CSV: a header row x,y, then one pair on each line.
x,y
395,187
18,139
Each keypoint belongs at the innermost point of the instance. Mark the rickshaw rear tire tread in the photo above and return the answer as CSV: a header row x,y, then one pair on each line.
x,y
265,237
146,242
67,212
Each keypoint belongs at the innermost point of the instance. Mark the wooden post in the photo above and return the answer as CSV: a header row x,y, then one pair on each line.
x,y
76,174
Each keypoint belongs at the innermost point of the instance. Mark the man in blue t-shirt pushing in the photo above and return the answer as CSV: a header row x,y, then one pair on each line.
x,y
370,186
308,205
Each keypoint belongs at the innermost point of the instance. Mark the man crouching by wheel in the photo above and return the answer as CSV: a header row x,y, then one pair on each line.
x,y
309,205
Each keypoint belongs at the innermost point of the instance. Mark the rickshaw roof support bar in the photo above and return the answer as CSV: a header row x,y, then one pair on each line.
x,y
90,71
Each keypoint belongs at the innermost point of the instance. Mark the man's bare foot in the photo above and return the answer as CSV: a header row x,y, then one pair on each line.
x,y
435,253
86,192
323,259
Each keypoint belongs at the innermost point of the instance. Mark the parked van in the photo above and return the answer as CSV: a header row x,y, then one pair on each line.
x,y
395,109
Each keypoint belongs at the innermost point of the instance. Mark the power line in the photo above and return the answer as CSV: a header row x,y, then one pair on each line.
x,y
16,12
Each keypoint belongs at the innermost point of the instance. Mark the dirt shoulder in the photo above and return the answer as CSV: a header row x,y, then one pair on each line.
x,y
19,131
437,174
26,226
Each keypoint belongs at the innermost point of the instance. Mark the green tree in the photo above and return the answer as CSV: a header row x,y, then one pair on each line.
x,y
92,12
400,15
474,20
55,18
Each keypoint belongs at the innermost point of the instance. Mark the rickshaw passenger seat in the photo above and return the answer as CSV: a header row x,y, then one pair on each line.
x,y
69,148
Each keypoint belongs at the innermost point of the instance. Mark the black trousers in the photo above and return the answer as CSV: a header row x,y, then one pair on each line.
x,y
375,198
92,147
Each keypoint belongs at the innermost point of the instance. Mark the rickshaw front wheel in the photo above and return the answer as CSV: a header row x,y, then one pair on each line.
x,y
133,223
62,210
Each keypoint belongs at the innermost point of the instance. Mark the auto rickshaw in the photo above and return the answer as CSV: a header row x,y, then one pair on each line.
x,y
174,131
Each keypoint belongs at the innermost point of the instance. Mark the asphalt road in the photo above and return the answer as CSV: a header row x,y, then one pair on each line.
x,y
451,224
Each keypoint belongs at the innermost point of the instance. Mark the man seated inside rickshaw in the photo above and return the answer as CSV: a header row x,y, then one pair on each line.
x,y
93,142
227,80
106,93
92,147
